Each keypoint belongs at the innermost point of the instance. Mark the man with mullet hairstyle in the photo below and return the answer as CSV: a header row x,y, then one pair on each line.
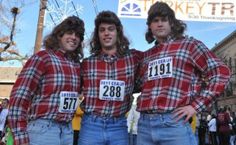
x,y
173,89
109,76
39,113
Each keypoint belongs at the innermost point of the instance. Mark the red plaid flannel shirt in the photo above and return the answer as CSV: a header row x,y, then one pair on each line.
x,y
35,93
96,68
191,59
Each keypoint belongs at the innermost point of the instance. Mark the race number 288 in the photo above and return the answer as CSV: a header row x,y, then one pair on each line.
x,y
112,90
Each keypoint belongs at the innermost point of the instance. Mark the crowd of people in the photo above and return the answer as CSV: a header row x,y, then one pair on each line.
x,y
6,137
44,98
218,128
209,129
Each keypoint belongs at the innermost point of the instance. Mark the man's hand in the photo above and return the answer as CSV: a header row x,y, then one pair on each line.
x,y
186,111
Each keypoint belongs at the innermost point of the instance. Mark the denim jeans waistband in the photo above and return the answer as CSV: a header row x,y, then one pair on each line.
x,y
104,118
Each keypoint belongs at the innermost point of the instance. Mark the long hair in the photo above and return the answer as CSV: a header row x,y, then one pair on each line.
x,y
72,23
161,9
109,18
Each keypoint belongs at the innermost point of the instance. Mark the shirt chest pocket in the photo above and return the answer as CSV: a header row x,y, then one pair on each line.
x,y
128,76
55,75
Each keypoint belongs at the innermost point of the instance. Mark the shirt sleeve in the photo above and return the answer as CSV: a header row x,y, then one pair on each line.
x,y
138,56
215,72
25,86
210,123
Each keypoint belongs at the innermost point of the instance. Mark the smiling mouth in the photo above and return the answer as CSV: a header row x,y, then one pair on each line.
x,y
107,39
71,43
160,30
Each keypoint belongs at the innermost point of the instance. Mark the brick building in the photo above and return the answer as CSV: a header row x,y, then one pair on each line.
x,y
8,76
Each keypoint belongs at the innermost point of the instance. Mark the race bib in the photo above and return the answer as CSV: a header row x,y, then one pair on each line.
x,y
112,90
160,68
68,102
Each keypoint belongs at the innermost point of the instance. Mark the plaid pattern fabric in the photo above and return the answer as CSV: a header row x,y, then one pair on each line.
x,y
191,59
35,94
101,67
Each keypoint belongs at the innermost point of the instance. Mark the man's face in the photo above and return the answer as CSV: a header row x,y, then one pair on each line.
x,y
160,28
107,36
69,41
4,104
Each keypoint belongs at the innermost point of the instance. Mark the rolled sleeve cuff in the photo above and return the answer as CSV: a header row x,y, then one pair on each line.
x,y
21,139
201,104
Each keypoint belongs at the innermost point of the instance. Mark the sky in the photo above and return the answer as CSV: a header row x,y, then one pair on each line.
x,y
210,33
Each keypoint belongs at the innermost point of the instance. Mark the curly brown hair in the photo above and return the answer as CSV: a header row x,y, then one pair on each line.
x,y
161,9
109,18
70,24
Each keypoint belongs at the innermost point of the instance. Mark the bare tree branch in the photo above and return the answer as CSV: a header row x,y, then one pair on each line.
x,y
6,53
9,11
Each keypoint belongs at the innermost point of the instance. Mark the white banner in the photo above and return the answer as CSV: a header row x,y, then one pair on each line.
x,y
190,10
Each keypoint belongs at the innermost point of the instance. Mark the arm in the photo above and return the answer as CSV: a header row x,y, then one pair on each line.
x,y
138,59
217,75
210,123
20,98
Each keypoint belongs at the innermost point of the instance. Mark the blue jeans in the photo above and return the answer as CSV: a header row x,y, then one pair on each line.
x,y
232,139
97,130
161,129
48,132
132,139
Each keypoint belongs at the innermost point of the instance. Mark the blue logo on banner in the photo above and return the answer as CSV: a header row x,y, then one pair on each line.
x,y
131,9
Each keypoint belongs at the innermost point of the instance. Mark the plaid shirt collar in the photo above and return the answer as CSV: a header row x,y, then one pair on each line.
x,y
105,57
60,53
63,54
168,40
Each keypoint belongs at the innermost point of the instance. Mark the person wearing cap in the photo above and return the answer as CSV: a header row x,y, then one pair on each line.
x,y
172,73
45,95
109,76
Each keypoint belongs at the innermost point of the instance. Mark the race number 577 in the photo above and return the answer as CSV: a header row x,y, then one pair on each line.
x,y
68,101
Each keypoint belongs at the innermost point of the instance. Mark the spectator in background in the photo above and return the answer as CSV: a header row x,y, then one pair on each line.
x,y
208,140
212,130
193,122
202,130
209,116
132,122
76,121
8,136
233,131
198,116
76,124
223,127
3,116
